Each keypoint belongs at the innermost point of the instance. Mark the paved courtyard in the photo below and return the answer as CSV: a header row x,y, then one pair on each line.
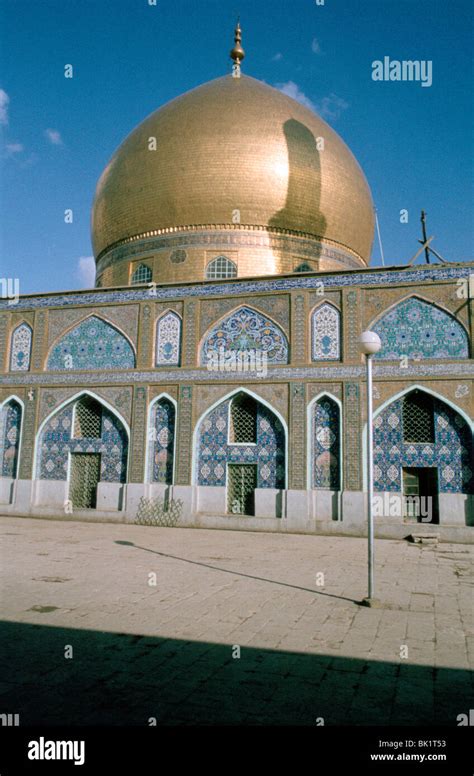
x,y
155,617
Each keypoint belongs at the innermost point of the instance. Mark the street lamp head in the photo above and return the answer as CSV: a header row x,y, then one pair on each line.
x,y
369,343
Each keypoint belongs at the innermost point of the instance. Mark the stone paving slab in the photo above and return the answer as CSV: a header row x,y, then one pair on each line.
x,y
156,618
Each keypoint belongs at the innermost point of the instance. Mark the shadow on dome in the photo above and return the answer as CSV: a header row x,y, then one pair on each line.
x,y
303,199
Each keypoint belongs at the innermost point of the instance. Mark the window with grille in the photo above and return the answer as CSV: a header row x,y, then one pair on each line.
x,y
88,419
242,481
418,418
243,420
221,268
142,274
304,268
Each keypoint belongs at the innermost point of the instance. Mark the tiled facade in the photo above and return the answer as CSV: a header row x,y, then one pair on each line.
x,y
451,452
92,343
245,330
311,338
215,451
20,350
10,432
418,329
57,441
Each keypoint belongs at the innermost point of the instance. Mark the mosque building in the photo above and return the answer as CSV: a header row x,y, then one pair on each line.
x,y
214,374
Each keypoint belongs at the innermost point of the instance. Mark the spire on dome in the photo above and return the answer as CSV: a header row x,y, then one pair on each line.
x,y
237,53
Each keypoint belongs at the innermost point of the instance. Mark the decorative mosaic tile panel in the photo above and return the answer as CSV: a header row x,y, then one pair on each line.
x,y
161,441
214,450
56,442
297,467
352,437
246,329
10,430
185,433
452,451
93,344
326,333
168,340
325,434
138,430
418,329
20,351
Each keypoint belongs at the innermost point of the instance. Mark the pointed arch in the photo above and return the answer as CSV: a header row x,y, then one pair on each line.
x,y
168,339
20,347
93,342
331,443
160,458
11,426
113,443
419,328
224,402
325,332
245,329
452,450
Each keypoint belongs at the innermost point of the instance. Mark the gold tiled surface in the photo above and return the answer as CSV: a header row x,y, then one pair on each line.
x,y
234,144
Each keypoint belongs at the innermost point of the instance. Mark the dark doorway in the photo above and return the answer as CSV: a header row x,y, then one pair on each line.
x,y
420,494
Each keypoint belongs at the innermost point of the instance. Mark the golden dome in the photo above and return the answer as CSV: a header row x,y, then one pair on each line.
x,y
234,145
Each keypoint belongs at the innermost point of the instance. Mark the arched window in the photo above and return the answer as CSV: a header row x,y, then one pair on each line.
x,y
221,268
20,351
142,274
326,333
243,420
10,430
418,418
162,441
168,340
304,267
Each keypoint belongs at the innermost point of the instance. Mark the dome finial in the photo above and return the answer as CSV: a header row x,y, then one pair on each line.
x,y
237,53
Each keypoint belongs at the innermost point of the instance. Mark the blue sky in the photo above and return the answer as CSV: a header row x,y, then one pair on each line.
x,y
414,143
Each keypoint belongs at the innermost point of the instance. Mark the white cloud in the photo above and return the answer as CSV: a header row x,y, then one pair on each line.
x,y
331,107
292,90
315,47
277,57
53,136
4,100
14,148
86,271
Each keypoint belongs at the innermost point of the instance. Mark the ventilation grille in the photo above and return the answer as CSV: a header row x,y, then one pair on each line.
x,y
243,426
88,419
241,489
418,420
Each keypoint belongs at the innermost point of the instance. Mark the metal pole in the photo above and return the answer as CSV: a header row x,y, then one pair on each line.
x,y
423,226
370,478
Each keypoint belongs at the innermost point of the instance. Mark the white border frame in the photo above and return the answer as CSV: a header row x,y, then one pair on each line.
x,y
147,479
20,443
309,441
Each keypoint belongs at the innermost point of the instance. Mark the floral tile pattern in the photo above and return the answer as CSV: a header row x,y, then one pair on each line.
x,y
246,329
20,351
326,333
168,340
325,433
92,344
162,441
418,329
10,430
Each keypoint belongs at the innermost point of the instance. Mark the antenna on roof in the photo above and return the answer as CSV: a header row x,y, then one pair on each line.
x,y
425,245
380,239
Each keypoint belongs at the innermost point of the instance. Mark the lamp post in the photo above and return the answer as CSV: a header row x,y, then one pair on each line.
x,y
370,344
